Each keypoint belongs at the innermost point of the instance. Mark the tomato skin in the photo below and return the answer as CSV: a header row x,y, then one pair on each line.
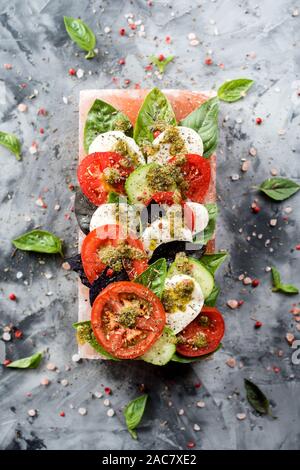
x,y
91,178
163,197
197,173
111,340
214,332
100,237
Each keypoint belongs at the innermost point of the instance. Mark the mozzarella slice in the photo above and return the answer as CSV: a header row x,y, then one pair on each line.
x,y
179,319
105,143
191,138
161,231
201,216
111,214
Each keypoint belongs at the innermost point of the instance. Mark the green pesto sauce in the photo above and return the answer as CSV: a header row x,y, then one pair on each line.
x,y
159,178
182,263
172,136
122,124
128,315
113,256
84,334
112,175
177,297
130,158
200,341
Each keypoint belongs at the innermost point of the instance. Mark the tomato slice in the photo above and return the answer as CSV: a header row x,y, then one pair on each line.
x,y
127,318
163,197
197,173
92,179
104,236
202,335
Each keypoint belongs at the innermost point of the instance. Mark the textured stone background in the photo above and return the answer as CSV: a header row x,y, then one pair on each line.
x,y
259,40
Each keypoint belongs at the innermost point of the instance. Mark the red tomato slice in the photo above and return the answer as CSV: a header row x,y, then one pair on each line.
x,y
208,327
163,197
101,237
196,172
127,318
91,177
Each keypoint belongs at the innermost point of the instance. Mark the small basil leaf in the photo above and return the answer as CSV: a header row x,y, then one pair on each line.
x,y
133,413
257,398
39,241
12,143
103,117
279,189
204,120
80,33
115,198
211,300
275,277
84,209
154,277
86,335
279,287
161,64
234,90
30,362
154,110
187,360
213,261
209,230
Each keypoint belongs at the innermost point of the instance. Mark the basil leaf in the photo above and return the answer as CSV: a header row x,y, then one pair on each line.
x,y
209,230
256,398
161,64
80,33
211,300
213,261
204,120
279,287
86,335
12,143
30,362
154,277
155,109
234,90
279,189
103,117
187,360
133,413
40,241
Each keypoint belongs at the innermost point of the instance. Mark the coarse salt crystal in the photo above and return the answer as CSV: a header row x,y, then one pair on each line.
x,y
231,362
22,108
253,151
106,402
65,100
80,73
290,338
19,275
33,149
200,404
241,277
48,275
247,281
235,177
107,29
82,411
98,395
6,336
181,412
246,166
76,358
196,427
31,412
45,381
288,210
191,36
51,366
274,172
110,413
194,42
273,222
64,382
241,416
268,269
66,266
232,303
57,207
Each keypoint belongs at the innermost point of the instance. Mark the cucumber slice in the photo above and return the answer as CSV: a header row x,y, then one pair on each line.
x,y
199,273
136,184
163,350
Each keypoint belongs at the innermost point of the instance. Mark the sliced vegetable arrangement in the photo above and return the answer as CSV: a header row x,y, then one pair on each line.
x,y
147,220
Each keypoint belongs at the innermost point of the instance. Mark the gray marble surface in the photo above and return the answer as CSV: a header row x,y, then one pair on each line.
x,y
258,40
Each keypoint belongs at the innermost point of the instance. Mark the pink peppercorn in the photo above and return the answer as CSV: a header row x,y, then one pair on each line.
x,y
156,134
191,445
6,362
18,334
72,72
297,247
255,282
62,414
107,390
258,121
122,62
42,131
255,209
208,61
258,324
12,296
122,32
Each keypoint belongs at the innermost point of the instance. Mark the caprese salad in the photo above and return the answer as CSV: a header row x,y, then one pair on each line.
x,y
142,207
